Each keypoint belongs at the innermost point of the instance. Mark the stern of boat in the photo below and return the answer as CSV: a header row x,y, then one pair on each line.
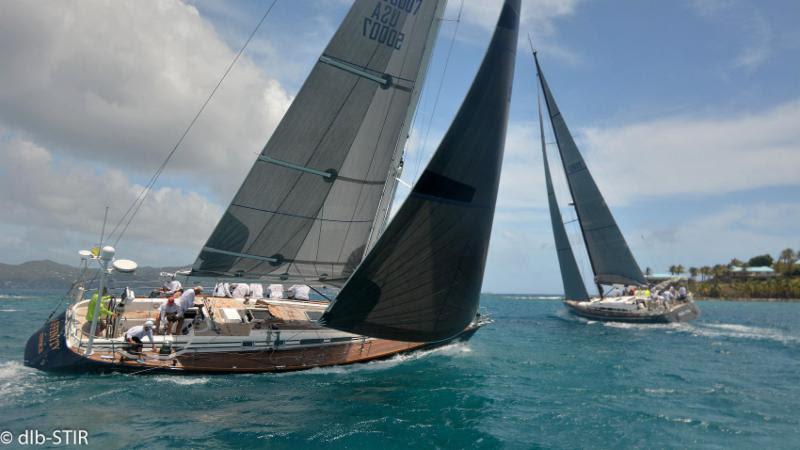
x,y
47,348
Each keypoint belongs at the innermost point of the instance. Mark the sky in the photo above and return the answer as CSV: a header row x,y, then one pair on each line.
x,y
687,112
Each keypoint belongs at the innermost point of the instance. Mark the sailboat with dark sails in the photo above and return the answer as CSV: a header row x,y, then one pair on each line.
x,y
314,209
611,259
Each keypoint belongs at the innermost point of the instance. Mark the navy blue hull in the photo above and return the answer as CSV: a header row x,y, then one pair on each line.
x,y
47,350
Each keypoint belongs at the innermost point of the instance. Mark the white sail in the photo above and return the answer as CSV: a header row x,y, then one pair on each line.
x,y
306,209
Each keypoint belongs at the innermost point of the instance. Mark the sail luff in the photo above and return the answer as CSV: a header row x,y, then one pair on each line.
x,y
385,203
305,210
422,279
574,289
611,259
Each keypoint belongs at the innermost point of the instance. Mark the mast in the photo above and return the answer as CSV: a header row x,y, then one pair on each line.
x,y
421,281
387,197
611,259
574,288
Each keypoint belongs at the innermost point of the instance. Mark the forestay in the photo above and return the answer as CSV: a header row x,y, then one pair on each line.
x,y
574,289
610,256
306,208
422,279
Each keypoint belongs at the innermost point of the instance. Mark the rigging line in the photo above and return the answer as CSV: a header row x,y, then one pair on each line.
x,y
420,149
139,201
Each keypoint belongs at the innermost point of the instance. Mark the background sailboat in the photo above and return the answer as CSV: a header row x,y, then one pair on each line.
x,y
610,257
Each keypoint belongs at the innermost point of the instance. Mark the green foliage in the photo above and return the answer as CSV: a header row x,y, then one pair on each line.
x,y
720,281
760,261
757,288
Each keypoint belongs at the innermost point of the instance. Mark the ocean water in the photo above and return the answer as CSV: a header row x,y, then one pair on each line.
x,y
536,378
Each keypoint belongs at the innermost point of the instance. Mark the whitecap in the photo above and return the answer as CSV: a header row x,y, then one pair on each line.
x,y
182,380
14,379
659,391
456,349
729,330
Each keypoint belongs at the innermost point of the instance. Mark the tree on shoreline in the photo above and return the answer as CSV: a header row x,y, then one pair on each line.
x,y
764,260
786,261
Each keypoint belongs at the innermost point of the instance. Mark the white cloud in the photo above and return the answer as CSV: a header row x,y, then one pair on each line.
x,y
740,230
759,49
685,155
117,82
53,198
537,18
537,14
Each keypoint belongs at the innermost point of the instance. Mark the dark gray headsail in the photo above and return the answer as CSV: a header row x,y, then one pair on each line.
x,y
422,279
306,209
612,261
574,289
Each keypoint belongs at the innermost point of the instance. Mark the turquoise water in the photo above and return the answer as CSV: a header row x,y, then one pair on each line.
x,y
536,378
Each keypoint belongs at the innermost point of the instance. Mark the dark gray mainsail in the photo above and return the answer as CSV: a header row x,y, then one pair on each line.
x,y
422,279
574,289
306,209
612,260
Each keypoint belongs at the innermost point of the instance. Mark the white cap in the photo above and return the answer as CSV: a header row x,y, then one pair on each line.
x,y
148,324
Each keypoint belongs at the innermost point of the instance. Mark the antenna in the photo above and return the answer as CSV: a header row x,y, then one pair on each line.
x,y
103,230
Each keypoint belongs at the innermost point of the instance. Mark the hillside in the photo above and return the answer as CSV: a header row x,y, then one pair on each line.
x,y
46,274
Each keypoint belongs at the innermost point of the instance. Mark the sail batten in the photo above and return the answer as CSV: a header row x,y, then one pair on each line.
x,y
421,281
313,193
574,289
611,259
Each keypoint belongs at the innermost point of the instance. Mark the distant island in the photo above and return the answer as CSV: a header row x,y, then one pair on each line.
x,y
50,275
759,278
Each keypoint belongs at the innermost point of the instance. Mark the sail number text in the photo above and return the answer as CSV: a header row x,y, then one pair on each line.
x,y
381,25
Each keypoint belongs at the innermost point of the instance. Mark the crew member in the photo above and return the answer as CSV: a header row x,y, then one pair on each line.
x,y
134,337
185,302
171,287
104,314
169,311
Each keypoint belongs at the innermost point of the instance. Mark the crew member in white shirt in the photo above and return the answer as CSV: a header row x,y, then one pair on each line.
x,y
171,287
135,334
169,312
185,302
